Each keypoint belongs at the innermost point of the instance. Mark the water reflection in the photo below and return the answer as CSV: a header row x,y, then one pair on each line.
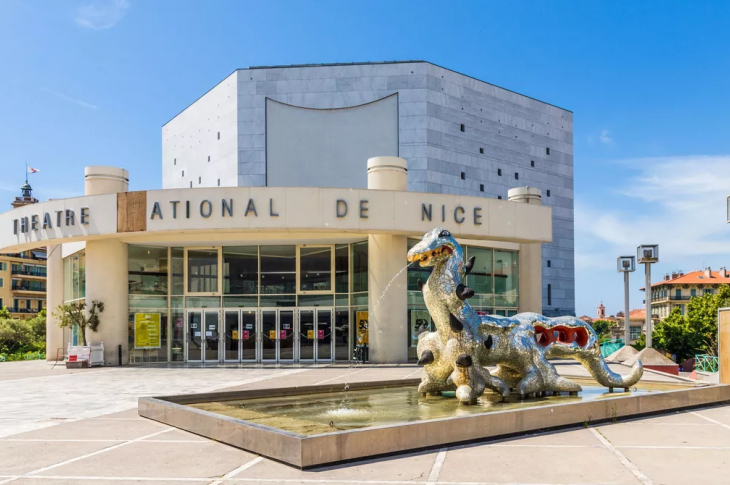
x,y
310,414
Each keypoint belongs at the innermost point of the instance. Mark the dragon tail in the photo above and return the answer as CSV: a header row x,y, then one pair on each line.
x,y
605,376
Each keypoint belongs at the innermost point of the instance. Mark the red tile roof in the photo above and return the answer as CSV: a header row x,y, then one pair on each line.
x,y
695,278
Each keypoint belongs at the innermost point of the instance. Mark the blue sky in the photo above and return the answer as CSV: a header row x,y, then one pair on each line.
x,y
92,82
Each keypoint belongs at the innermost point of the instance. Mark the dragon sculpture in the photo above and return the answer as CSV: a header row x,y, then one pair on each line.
x,y
456,355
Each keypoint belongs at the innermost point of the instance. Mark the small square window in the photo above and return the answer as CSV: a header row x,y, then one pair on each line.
x,y
548,263
499,172
463,176
532,163
548,192
183,173
199,179
219,135
499,197
175,162
209,158
517,176
463,128
547,150
481,187
219,182
481,150
191,184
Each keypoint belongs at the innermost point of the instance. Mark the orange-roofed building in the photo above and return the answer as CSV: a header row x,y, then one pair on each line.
x,y
676,289
637,325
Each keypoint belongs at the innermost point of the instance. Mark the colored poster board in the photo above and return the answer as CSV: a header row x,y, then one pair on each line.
x,y
282,334
234,334
244,335
310,334
147,331
272,334
419,318
361,327
320,334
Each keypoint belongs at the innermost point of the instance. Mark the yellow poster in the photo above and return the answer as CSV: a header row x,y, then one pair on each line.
x,y
361,327
272,334
310,334
147,331
234,334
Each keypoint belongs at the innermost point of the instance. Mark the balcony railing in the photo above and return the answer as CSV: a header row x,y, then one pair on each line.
x,y
22,287
29,272
23,310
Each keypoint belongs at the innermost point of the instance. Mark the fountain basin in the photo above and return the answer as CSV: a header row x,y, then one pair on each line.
x,y
316,425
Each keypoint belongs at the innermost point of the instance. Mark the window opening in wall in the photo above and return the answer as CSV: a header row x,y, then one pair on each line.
x,y
463,176
481,187
199,179
548,263
547,150
209,158
174,162
219,135
550,295
499,197
463,128
219,182
183,173
517,176
481,150
499,172
532,163
191,184
548,192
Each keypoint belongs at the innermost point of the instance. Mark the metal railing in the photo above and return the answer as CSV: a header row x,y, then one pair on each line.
x,y
22,287
707,363
29,272
608,347
23,310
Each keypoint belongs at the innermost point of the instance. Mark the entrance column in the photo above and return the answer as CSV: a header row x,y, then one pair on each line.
x,y
530,270
388,331
54,297
107,271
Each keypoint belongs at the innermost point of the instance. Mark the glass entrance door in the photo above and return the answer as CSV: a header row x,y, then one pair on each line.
x,y
195,336
324,334
231,335
315,334
212,335
250,337
286,336
306,335
269,341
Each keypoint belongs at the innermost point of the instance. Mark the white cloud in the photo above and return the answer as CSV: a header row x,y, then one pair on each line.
x,y
677,202
100,16
604,138
70,99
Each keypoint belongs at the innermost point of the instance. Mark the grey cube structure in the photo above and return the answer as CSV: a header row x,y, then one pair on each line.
x,y
271,125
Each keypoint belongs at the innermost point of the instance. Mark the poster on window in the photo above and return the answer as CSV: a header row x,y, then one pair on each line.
x,y
147,334
419,319
361,327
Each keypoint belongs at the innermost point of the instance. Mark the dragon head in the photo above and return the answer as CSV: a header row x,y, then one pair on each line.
x,y
435,247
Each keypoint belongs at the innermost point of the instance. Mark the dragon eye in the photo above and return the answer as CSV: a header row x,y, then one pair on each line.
x,y
444,233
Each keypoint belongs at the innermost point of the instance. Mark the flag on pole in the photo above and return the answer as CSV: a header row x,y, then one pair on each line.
x,y
33,170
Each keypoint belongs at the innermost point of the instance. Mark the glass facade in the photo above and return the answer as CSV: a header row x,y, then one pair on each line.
x,y
212,302
74,289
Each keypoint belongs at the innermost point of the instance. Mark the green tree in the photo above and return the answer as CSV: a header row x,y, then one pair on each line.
x,y
603,327
74,315
5,313
675,335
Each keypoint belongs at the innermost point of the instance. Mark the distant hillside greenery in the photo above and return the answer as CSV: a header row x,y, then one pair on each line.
x,y
694,333
21,337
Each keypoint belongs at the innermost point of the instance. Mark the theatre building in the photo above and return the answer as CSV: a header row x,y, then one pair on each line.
x,y
290,197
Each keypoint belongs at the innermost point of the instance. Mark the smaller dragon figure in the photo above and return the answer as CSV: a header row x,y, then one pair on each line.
x,y
457,354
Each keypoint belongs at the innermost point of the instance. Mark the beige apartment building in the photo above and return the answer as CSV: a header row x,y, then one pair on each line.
x,y
677,288
23,273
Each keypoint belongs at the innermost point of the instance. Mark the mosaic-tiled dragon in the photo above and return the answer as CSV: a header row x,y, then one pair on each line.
x,y
457,354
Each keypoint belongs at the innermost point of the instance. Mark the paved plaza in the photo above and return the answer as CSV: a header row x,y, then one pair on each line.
x,y
59,427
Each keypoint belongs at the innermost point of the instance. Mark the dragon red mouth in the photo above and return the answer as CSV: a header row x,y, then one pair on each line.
x,y
562,335
424,258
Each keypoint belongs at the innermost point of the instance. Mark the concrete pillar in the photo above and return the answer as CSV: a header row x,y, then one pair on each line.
x,y
106,271
100,179
106,281
54,297
530,257
388,317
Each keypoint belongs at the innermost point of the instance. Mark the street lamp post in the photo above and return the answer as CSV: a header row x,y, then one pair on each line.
x,y
648,254
626,265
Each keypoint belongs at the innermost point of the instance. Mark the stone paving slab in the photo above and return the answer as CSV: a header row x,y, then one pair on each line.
x,y
26,456
682,467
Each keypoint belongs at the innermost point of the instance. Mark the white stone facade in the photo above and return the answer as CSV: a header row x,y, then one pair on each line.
x,y
530,142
